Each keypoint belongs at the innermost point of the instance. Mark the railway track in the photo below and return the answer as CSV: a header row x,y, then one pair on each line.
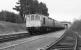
x,y
69,41
11,37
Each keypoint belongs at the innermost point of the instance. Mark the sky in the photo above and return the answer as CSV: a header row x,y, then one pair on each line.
x,y
61,10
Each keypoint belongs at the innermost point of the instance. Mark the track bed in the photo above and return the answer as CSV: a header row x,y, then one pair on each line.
x,y
69,41
11,37
6,38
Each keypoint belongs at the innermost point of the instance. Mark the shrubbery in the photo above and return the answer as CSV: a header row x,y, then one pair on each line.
x,y
76,26
10,17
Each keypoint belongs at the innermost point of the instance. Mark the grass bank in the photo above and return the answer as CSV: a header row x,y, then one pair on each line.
x,y
7,27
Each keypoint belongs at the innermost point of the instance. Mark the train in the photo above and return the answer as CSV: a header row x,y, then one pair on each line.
x,y
40,23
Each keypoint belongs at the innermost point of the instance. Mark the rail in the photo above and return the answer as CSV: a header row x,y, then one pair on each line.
x,y
7,38
68,41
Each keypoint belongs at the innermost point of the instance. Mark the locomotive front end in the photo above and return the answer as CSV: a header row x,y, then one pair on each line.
x,y
33,23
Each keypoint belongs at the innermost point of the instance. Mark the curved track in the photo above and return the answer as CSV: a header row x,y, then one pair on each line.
x,y
11,37
69,41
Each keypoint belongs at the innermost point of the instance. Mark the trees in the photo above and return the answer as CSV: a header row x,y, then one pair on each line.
x,y
21,7
31,7
43,9
7,16
10,17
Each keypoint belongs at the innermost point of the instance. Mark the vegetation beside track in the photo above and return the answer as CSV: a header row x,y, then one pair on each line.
x,y
76,26
9,28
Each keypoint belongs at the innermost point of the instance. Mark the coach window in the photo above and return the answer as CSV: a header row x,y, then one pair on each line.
x,y
37,17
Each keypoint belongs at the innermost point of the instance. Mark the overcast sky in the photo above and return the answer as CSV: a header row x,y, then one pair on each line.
x,y
62,10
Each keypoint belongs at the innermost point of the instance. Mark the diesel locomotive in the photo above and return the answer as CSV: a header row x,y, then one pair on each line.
x,y
40,23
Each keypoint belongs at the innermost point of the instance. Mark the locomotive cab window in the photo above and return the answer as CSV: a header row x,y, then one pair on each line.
x,y
32,17
37,17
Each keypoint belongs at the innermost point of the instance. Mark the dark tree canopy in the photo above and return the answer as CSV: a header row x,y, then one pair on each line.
x,y
43,9
31,7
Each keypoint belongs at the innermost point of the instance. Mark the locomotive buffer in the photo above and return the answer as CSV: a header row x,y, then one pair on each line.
x,y
69,41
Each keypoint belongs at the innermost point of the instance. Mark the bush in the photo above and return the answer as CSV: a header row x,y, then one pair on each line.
x,y
76,26
10,17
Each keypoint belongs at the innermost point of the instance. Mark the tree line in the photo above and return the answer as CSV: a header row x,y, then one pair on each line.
x,y
10,17
24,7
